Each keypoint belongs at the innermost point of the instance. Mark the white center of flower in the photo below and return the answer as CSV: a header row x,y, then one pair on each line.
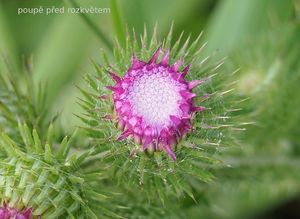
x,y
155,97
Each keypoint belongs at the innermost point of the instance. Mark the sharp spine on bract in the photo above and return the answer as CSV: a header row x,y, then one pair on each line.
x,y
155,56
195,83
114,76
165,58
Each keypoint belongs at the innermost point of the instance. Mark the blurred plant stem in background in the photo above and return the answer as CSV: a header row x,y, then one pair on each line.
x,y
8,50
117,22
101,35
55,59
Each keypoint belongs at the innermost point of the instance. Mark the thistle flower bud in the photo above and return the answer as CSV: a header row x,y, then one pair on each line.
x,y
153,103
157,114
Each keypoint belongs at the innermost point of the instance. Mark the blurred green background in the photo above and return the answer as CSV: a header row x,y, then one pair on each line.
x,y
261,38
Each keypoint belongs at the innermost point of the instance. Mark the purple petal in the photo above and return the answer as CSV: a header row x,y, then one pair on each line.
x,y
115,77
185,107
21,216
185,71
165,58
146,142
3,213
124,135
136,63
125,107
155,56
194,83
177,64
198,108
133,121
170,152
187,95
28,213
116,89
175,120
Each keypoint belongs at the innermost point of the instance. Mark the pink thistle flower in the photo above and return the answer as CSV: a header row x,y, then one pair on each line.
x,y
7,212
153,103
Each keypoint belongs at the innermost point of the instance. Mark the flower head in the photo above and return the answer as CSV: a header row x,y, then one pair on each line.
x,y
154,103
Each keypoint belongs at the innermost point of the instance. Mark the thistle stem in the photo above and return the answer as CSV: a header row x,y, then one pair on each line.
x,y
94,27
117,22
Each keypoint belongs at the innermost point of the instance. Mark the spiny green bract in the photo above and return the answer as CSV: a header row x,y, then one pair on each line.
x,y
155,173
42,177
17,106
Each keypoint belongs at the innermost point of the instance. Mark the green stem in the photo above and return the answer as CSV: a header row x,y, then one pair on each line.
x,y
117,22
94,27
